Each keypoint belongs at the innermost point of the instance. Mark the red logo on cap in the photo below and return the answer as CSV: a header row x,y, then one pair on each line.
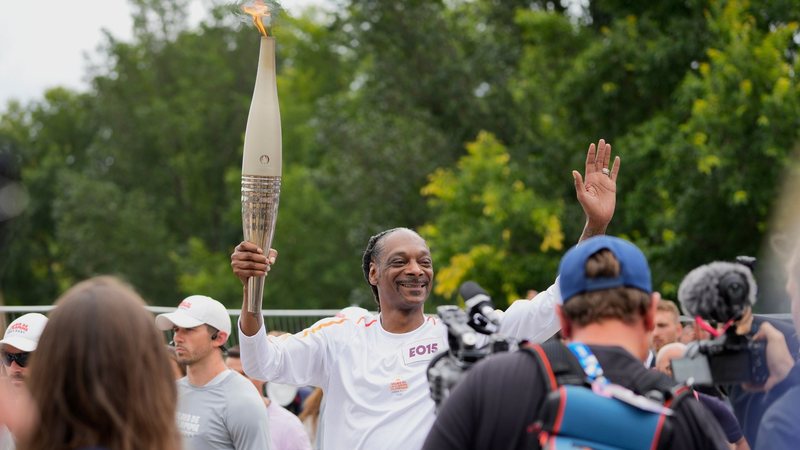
x,y
19,327
186,304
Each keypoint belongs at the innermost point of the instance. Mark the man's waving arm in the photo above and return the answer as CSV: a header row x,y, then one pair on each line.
x,y
535,319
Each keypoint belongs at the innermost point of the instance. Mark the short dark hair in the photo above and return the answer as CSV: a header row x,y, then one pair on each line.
x,y
618,303
670,307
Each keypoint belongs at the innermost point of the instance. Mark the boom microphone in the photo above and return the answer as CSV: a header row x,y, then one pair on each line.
x,y
479,306
719,291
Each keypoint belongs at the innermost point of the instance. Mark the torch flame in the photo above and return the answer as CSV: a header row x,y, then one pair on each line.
x,y
257,9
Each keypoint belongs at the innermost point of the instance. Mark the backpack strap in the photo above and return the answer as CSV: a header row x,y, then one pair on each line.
x,y
558,365
673,395
652,383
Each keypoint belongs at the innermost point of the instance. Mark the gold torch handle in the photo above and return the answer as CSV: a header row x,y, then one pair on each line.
x,y
260,195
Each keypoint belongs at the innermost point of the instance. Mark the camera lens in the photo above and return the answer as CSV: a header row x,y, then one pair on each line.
x,y
734,290
733,287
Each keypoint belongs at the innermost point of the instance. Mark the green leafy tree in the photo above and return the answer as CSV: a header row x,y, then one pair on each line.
x,y
46,138
716,157
489,227
114,236
379,101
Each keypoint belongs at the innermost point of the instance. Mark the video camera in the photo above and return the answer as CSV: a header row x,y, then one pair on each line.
x,y
721,293
470,336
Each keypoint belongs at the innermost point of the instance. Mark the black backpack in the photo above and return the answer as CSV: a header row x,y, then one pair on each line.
x,y
574,416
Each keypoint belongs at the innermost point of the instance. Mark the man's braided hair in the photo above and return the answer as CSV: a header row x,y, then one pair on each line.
x,y
371,253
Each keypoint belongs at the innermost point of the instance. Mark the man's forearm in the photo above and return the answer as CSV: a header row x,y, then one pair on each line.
x,y
250,322
591,229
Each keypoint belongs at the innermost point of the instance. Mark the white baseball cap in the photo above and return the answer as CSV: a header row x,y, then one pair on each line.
x,y
24,333
194,311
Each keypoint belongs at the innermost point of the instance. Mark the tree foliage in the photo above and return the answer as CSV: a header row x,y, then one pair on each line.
x,y
460,118
488,225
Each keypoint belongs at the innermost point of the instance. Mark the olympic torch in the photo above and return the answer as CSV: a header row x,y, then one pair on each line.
x,y
261,162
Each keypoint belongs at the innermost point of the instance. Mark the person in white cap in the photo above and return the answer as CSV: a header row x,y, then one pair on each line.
x,y
206,416
20,340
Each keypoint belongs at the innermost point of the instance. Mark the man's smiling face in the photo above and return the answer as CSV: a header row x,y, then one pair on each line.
x,y
402,271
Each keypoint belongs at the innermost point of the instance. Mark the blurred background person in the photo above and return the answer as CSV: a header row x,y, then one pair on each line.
x,y
15,413
100,377
688,333
19,343
178,367
668,325
309,416
286,430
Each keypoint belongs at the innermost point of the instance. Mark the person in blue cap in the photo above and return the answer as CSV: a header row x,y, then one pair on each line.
x,y
608,308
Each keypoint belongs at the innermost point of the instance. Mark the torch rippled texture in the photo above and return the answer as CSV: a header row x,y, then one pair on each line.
x,y
261,165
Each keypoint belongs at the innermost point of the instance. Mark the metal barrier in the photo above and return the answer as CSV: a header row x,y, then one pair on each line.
x,y
288,320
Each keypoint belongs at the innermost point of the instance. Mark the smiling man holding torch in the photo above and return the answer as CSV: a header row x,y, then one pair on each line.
x,y
373,369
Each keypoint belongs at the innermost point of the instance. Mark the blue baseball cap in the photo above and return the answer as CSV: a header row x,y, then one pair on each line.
x,y
634,271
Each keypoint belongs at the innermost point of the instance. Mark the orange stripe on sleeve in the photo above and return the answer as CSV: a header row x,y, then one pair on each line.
x,y
323,325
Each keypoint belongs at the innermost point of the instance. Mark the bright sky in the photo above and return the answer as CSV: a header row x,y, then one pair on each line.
x,y
45,43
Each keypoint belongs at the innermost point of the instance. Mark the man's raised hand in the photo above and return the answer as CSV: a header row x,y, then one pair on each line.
x,y
597,192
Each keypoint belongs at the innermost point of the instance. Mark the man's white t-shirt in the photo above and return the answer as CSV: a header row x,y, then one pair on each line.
x,y
376,393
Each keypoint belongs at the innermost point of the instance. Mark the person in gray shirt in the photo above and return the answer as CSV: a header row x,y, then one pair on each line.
x,y
217,407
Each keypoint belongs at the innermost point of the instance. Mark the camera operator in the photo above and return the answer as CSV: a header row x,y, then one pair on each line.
x,y
610,307
778,427
735,362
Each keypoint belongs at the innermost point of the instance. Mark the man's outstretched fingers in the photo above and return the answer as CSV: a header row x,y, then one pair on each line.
x,y
602,155
615,169
578,182
591,155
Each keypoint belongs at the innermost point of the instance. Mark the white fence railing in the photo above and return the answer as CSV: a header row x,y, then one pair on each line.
x,y
289,320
